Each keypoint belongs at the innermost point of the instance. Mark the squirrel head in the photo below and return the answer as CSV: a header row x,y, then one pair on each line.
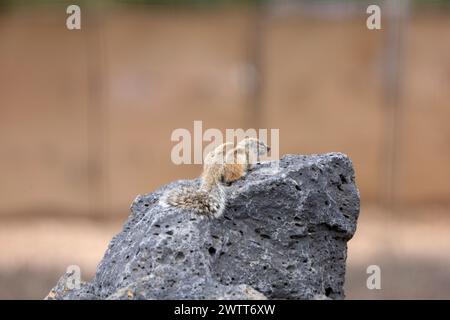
x,y
254,146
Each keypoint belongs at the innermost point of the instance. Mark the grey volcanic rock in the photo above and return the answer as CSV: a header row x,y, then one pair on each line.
x,y
283,235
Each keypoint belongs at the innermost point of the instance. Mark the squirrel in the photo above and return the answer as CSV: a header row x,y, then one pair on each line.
x,y
222,166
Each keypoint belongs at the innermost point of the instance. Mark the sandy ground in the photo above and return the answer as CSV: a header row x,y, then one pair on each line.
x,y
412,249
35,253
413,256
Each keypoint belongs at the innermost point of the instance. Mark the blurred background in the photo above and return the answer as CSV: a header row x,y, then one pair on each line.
x,y
86,118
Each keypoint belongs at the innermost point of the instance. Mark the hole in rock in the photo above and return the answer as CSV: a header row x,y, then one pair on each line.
x,y
212,250
179,255
296,236
343,179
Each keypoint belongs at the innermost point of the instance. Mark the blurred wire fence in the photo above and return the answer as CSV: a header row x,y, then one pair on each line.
x,y
87,116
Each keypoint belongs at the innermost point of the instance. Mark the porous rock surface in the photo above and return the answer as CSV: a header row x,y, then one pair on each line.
x,y
283,235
